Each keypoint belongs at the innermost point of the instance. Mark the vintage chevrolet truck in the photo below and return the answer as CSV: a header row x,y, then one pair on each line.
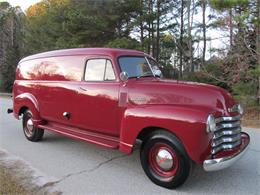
x,y
114,97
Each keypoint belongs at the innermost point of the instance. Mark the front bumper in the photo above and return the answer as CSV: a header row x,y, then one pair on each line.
x,y
226,161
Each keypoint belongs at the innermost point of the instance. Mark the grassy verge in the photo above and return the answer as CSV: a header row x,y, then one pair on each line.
x,y
8,185
251,117
5,96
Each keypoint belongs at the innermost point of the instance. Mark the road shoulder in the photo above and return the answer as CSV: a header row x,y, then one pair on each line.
x,y
25,178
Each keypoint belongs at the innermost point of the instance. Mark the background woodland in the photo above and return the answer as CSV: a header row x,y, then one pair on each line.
x,y
178,34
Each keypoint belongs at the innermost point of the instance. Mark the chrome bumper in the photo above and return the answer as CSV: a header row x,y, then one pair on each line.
x,y
224,162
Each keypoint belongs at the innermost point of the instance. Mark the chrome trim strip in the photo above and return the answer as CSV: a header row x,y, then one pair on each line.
x,y
228,125
222,163
129,145
226,132
225,147
226,140
228,118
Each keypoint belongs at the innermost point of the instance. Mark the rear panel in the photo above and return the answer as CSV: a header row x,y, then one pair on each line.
x,y
53,83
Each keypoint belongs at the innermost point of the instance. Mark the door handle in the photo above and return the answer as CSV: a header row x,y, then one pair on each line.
x,y
82,89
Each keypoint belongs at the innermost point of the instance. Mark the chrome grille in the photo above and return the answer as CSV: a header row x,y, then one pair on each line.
x,y
227,134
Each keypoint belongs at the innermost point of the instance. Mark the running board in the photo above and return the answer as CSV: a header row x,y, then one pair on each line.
x,y
75,133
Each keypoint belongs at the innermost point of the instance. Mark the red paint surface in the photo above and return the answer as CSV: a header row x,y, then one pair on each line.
x,y
119,110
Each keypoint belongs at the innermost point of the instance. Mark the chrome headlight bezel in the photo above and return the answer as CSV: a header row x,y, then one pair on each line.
x,y
237,108
240,109
211,124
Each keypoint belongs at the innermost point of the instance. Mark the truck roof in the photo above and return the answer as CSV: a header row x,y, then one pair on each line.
x,y
84,51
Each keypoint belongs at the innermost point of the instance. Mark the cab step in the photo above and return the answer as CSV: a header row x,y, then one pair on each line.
x,y
84,135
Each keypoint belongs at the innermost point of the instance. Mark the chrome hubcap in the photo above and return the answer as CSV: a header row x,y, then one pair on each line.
x,y
164,159
29,125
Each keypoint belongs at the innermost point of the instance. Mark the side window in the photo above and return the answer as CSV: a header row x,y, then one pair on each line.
x,y
109,73
95,70
62,68
99,70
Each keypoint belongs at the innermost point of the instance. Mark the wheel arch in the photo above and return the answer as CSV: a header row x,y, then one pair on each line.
x,y
26,101
147,131
22,110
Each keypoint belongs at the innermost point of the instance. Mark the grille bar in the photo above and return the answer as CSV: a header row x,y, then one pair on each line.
x,y
228,125
226,139
228,118
227,134
225,147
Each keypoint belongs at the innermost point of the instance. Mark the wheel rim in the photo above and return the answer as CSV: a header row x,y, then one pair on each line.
x,y
163,160
28,127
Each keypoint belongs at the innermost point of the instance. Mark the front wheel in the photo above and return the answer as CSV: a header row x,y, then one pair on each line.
x,y
164,159
31,132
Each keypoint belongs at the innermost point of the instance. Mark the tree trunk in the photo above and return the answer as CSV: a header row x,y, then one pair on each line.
x,y
158,30
181,40
230,28
204,31
153,42
190,53
189,35
12,30
152,29
258,46
149,26
141,24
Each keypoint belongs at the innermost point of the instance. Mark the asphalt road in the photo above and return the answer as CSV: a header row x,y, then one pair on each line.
x,y
75,167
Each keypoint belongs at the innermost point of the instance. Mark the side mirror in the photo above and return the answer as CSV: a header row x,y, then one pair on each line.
x,y
157,72
123,76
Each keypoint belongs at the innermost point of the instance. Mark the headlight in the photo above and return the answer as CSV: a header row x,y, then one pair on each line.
x,y
237,108
211,123
240,109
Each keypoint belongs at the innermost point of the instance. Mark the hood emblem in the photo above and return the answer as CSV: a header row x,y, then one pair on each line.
x,y
139,100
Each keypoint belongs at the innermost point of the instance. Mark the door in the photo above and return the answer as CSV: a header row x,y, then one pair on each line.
x,y
58,79
98,98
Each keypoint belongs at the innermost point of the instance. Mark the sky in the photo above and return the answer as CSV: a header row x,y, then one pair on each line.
x,y
24,4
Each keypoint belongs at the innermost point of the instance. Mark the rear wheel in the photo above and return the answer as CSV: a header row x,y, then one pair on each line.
x,y
31,132
164,159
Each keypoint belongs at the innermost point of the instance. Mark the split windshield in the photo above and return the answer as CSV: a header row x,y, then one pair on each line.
x,y
135,67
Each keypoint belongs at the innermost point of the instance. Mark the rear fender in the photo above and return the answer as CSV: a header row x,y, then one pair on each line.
x,y
27,100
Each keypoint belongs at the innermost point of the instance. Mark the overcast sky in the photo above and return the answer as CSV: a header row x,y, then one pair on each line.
x,y
24,4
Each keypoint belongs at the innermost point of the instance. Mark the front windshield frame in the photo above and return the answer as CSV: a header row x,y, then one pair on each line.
x,y
137,76
154,66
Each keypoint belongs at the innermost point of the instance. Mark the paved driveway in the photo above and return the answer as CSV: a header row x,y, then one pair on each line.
x,y
75,167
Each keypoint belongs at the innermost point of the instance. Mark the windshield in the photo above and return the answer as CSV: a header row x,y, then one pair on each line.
x,y
135,66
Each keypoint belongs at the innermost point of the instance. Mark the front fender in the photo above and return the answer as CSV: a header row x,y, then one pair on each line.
x,y
187,123
27,100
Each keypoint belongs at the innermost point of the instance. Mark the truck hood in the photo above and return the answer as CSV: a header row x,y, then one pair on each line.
x,y
171,92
